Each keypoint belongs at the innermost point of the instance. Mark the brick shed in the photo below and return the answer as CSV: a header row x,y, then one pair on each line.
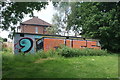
x,y
27,42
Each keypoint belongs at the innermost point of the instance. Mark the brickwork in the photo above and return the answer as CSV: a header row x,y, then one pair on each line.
x,y
30,43
28,29
34,25
54,43
68,43
79,44
32,29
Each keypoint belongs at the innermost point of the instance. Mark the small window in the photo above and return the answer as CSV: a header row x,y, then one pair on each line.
x,y
98,43
67,37
21,35
45,29
36,29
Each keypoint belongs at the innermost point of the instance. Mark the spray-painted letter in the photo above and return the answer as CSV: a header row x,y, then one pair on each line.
x,y
26,44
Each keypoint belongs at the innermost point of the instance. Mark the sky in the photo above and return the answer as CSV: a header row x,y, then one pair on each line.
x,y
45,14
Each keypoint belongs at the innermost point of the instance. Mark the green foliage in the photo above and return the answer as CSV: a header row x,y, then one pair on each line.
x,y
32,66
53,30
100,20
57,23
7,50
71,52
1,39
60,17
61,51
14,12
48,54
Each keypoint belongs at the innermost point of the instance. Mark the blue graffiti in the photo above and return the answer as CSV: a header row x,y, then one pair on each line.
x,y
26,44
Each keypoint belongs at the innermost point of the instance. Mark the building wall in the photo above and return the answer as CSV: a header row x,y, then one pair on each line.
x,y
55,43
32,29
68,43
29,43
79,43
52,43
25,43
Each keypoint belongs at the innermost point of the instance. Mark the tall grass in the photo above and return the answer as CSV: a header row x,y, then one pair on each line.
x,y
57,66
61,51
72,52
9,58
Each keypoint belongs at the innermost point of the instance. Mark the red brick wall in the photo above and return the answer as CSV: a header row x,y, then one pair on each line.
x,y
28,29
53,43
68,43
79,44
40,30
32,29
92,44
83,44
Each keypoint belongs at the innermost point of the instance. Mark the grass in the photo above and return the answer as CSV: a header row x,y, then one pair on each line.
x,y
33,66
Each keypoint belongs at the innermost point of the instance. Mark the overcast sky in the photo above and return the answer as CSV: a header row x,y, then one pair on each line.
x,y
44,14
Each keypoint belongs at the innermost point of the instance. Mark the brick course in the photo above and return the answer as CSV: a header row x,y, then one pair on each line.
x,y
32,29
54,43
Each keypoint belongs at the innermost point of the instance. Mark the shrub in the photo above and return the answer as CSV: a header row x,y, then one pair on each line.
x,y
71,52
7,50
46,54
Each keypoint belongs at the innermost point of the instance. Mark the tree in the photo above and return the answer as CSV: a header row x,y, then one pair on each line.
x,y
53,30
57,22
60,18
100,20
1,39
14,12
73,18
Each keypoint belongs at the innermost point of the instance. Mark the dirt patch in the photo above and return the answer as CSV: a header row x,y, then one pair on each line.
x,y
43,59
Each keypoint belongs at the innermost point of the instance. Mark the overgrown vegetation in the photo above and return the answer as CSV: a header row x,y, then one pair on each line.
x,y
97,20
63,51
52,65
71,52
100,21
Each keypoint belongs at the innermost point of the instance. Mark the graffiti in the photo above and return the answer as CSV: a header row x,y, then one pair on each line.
x,y
39,41
26,44
39,44
16,45
32,43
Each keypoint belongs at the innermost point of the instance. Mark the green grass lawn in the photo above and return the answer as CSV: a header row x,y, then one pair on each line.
x,y
60,67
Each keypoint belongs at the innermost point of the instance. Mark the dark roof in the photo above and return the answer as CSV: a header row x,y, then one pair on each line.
x,y
36,21
46,35
67,37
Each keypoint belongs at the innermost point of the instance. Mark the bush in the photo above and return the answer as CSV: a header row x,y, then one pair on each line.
x,y
71,52
61,51
46,54
7,50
